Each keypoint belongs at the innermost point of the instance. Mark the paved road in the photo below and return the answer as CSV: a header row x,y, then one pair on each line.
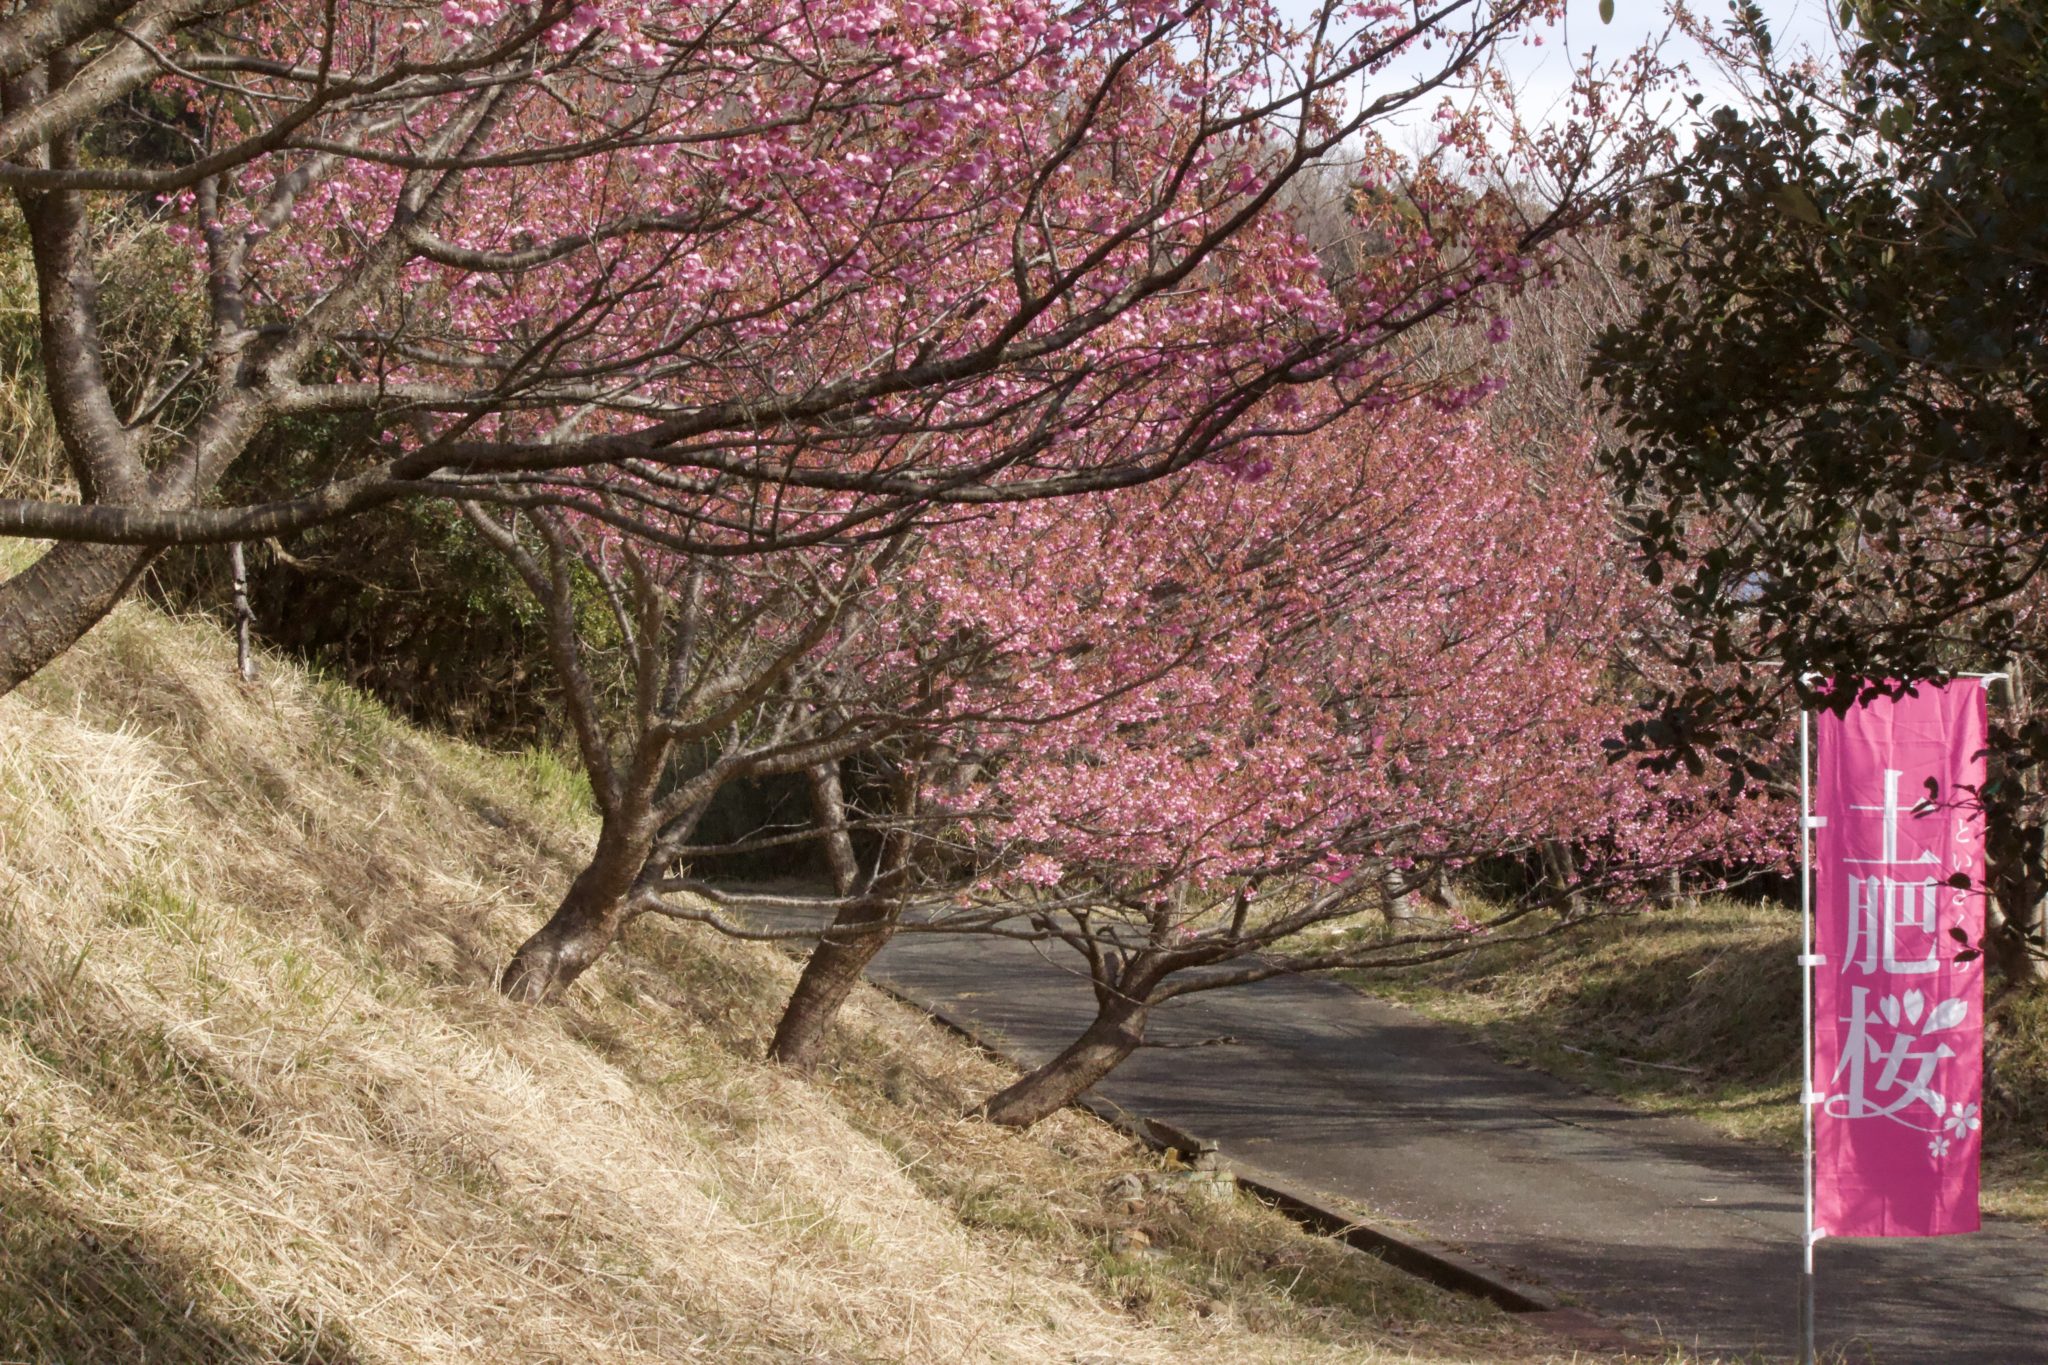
x,y
1656,1223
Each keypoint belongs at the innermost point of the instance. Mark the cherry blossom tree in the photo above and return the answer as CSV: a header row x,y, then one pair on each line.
x,y
639,261
1208,723
788,662
722,658
1408,663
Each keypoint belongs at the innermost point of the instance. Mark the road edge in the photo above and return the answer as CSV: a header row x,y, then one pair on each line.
x,y
1405,1250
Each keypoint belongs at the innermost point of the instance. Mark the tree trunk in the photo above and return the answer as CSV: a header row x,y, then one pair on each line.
x,y
2010,944
828,811
857,933
1405,897
584,925
2016,926
47,607
245,662
1118,1031
1562,868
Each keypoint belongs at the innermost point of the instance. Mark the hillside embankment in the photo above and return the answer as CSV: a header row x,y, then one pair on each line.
x,y
260,1101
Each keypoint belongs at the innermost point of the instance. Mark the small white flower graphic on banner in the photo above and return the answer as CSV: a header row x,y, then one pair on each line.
x,y
1938,1146
1962,1119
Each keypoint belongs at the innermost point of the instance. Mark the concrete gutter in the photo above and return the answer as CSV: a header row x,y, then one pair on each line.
x,y
1403,1250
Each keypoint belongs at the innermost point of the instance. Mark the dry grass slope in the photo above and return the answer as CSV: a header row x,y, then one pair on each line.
x,y
259,1100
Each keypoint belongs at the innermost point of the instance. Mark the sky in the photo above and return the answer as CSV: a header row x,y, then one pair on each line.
x,y
1544,72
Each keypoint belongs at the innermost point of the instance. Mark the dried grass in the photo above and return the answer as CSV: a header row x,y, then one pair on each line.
x,y
31,458
259,1100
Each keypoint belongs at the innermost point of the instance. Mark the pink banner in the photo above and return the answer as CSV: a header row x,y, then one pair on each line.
x,y
1898,1021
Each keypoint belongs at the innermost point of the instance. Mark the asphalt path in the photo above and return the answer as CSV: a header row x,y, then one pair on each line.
x,y
1659,1225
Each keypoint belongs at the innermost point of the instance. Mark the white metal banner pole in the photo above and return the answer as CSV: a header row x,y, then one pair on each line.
x,y
1807,962
1809,1097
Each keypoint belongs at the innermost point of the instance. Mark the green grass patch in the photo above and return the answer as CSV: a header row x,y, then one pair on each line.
x,y
555,782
